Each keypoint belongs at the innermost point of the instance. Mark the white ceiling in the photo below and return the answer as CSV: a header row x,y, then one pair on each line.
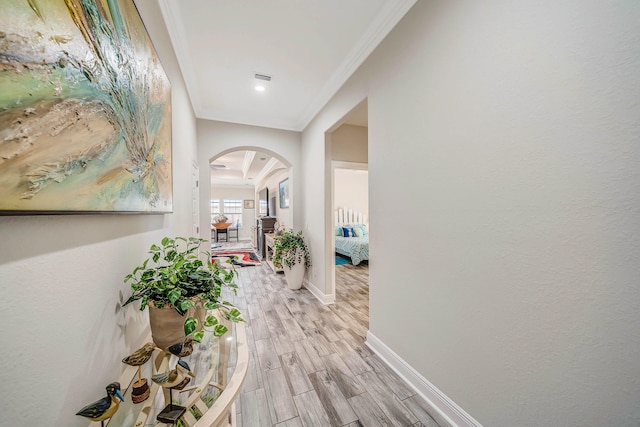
x,y
243,168
308,47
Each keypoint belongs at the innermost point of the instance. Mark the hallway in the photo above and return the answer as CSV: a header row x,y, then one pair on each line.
x,y
308,362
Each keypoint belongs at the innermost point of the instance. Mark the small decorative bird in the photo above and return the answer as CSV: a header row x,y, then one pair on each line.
x,y
104,408
182,349
141,355
140,389
173,377
170,380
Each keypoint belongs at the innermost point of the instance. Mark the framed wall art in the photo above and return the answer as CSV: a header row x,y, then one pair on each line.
x,y
249,204
283,190
85,110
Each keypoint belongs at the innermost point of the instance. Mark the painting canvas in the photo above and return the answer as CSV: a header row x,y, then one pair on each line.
x,y
85,110
284,194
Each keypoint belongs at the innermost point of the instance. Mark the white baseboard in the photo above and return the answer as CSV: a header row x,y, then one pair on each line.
x,y
322,297
443,405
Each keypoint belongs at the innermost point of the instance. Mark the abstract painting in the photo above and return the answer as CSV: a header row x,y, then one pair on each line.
x,y
85,110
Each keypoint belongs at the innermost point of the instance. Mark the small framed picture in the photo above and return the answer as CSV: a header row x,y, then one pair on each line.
x,y
249,204
284,194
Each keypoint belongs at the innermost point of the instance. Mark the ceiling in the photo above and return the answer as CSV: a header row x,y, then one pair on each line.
x,y
308,48
244,168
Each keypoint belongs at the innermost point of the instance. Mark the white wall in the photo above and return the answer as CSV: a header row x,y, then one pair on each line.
x,y
285,216
61,276
513,129
216,138
349,143
229,192
351,190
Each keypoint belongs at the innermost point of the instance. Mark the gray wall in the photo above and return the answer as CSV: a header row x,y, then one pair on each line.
x,y
61,275
510,132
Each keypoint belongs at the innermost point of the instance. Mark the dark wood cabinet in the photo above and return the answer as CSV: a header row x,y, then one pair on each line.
x,y
264,225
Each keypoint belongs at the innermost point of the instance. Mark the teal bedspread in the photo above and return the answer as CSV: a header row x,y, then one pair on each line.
x,y
357,248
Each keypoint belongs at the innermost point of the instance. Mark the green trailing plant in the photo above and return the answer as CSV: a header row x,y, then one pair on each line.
x,y
176,276
289,249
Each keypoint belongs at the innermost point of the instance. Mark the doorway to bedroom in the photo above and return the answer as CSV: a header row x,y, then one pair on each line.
x,y
349,261
351,224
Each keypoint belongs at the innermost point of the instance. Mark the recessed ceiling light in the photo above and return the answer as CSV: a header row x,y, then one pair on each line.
x,y
263,158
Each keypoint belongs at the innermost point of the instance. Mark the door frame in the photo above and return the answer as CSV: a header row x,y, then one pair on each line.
x,y
338,164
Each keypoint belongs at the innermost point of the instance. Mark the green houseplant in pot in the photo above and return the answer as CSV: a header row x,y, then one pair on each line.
x,y
290,252
179,287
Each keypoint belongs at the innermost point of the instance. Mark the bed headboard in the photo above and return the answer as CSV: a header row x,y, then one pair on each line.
x,y
349,216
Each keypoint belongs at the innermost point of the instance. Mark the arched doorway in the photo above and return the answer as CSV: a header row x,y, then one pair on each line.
x,y
243,184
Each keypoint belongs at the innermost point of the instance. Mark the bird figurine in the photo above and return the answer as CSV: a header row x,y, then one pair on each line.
x,y
141,355
173,377
140,389
104,408
182,349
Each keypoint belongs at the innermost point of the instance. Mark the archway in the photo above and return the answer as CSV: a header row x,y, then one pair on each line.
x,y
217,138
239,177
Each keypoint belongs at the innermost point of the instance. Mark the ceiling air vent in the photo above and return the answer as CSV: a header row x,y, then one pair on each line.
x,y
262,77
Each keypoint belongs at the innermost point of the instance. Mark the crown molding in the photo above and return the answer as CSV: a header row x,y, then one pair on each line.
x,y
178,40
383,23
381,26
226,183
209,114
246,163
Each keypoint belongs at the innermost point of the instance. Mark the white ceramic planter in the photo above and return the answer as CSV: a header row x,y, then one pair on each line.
x,y
294,275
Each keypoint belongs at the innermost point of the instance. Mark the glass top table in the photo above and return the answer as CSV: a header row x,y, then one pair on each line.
x,y
220,367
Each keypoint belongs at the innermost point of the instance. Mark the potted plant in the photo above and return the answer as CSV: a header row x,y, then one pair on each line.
x,y
290,253
178,287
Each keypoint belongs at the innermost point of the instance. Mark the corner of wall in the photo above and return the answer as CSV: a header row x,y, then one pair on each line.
x,y
445,411
321,296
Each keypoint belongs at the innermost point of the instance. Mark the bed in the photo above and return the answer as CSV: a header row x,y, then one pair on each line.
x,y
356,244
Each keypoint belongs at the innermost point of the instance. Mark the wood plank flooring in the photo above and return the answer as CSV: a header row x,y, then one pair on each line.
x,y
308,362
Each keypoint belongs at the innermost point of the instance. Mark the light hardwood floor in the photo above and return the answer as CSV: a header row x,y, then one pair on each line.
x,y
308,362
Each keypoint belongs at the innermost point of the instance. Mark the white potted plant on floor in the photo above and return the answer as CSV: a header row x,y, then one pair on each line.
x,y
290,253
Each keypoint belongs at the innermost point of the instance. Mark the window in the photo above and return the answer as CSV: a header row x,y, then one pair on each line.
x,y
215,208
233,210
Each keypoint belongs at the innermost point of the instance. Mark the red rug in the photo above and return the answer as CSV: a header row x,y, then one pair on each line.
x,y
235,257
